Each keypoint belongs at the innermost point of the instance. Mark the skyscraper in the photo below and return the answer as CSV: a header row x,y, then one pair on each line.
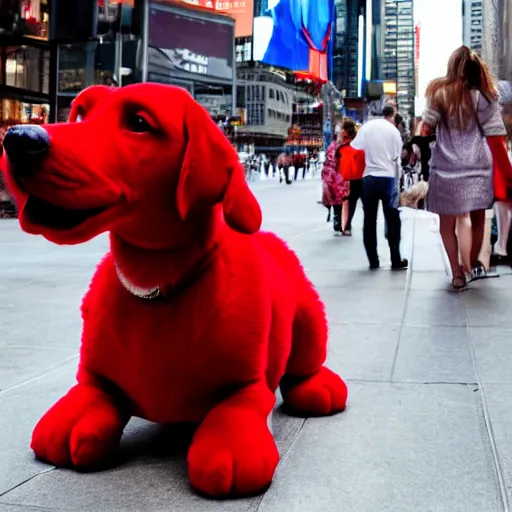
x,y
345,52
472,24
397,58
497,37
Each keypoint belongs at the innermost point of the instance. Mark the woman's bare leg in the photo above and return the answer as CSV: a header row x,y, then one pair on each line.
x,y
344,214
465,240
477,234
448,225
503,219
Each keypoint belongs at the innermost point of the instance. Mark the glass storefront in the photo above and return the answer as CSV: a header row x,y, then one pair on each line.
x,y
24,85
25,67
17,112
25,17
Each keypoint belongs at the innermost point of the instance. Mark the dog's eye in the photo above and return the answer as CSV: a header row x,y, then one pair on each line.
x,y
138,124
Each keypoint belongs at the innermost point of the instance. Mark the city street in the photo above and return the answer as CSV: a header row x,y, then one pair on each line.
x,y
428,427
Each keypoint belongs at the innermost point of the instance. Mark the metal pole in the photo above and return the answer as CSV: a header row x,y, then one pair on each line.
x,y
145,40
118,60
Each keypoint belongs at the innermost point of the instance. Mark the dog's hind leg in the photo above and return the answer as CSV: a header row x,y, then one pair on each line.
x,y
308,387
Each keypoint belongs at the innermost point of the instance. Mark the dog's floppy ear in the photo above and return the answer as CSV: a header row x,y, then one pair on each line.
x,y
212,173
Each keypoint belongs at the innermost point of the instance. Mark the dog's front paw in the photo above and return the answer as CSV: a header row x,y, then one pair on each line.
x,y
232,455
82,429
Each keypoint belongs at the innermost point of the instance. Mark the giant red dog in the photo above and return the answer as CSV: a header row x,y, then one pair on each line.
x,y
194,315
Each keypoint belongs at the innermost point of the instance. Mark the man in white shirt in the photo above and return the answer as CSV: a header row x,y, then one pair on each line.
x,y
382,145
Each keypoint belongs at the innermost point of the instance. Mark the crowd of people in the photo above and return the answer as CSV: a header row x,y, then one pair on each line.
x,y
281,166
461,152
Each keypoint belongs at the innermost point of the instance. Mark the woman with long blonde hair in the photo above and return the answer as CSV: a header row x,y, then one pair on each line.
x,y
463,106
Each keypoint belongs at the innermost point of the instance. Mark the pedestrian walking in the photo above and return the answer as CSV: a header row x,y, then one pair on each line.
x,y
382,145
335,189
463,106
351,164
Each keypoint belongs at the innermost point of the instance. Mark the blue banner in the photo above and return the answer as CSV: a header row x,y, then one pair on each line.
x,y
295,34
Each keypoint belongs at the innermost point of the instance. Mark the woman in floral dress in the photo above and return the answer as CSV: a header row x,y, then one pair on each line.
x,y
335,189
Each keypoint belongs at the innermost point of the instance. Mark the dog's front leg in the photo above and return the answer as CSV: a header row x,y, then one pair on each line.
x,y
82,429
233,452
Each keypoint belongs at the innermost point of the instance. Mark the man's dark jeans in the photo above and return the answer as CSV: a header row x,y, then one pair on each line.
x,y
386,190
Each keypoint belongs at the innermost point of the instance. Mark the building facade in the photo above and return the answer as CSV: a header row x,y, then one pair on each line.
x,y
50,51
472,24
497,37
345,50
396,62
271,104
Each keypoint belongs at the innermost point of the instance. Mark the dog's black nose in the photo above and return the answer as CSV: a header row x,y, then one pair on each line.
x,y
26,146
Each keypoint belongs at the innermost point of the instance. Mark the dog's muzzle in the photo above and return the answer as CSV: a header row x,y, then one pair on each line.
x,y
25,146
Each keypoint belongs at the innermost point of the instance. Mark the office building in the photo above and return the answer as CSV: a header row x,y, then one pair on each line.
x,y
497,37
345,74
271,104
472,24
49,52
396,62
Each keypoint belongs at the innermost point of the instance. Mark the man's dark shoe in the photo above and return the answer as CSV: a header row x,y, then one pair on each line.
x,y
400,265
498,259
374,265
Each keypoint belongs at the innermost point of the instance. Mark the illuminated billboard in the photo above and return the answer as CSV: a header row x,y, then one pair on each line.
x,y
295,34
186,46
241,10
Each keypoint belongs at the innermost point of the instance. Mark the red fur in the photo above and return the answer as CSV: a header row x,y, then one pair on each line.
x,y
225,335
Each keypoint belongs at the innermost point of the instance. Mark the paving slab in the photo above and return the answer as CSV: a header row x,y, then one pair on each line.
x,y
430,281
399,448
499,404
493,352
434,354
21,408
435,308
363,351
489,306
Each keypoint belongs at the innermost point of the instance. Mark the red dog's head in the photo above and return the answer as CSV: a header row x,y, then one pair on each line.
x,y
145,162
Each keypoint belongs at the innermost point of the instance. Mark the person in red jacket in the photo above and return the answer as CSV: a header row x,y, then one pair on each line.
x,y
351,168
502,205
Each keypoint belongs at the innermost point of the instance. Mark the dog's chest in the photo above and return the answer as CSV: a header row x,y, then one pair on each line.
x,y
172,357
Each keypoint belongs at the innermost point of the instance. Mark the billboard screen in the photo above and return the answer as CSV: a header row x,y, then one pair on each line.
x,y
241,10
295,34
182,44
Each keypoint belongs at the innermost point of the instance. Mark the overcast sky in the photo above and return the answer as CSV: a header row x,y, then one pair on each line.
x,y
441,33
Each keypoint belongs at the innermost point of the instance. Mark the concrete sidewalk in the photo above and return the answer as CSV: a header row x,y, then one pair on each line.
x,y
429,422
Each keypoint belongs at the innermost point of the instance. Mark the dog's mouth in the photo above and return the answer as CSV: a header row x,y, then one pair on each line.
x,y
39,212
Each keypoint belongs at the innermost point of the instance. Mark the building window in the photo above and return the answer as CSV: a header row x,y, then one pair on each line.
x,y
25,17
26,68
16,112
76,67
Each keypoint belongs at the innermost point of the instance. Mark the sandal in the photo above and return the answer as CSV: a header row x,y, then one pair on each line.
x,y
459,283
477,272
